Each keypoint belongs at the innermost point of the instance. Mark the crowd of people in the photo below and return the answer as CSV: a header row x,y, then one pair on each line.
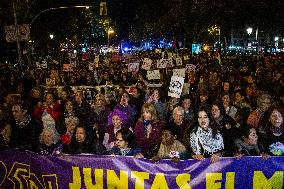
x,y
225,110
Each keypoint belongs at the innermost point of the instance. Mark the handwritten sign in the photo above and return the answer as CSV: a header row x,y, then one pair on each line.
x,y
153,74
175,87
179,72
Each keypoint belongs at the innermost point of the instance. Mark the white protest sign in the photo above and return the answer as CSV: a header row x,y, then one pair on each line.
x,y
179,72
162,63
147,62
175,87
179,61
189,68
170,63
153,74
133,67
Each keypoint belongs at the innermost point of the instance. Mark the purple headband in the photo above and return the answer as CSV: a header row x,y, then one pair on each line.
x,y
118,113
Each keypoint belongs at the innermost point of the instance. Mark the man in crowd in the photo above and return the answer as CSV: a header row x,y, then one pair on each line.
x,y
25,129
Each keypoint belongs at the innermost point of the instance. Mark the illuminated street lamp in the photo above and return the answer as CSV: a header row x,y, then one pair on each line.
x,y
109,32
51,36
249,31
46,10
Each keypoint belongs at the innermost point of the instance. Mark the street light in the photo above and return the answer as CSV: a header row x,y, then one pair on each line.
x,y
55,8
109,31
51,36
46,10
249,31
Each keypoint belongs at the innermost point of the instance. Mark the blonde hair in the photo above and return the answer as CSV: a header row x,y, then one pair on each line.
x,y
71,119
151,109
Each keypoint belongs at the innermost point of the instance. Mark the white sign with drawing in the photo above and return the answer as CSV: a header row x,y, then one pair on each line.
x,y
179,72
176,86
153,74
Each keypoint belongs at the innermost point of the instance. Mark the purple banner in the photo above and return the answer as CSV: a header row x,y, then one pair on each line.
x,y
21,170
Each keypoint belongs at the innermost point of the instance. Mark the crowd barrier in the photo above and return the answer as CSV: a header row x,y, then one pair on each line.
x,y
23,169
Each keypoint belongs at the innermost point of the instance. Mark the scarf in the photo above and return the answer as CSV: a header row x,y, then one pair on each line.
x,y
277,131
24,122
